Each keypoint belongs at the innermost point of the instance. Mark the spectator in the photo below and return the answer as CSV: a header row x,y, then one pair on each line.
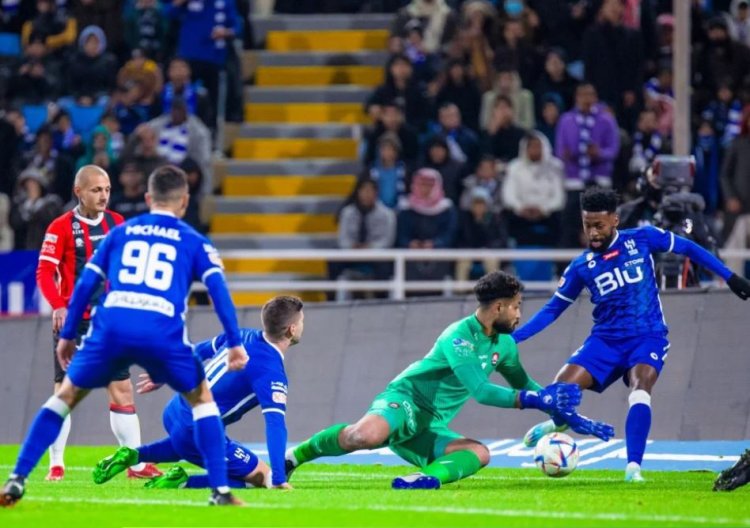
x,y
735,186
644,146
91,70
116,137
659,97
9,154
588,142
738,21
478,32
181,136
426,220
480,228
107,14
515,52
613,59
98,150
35,77
392,121
180,84
463,143
146,72
195,187
388,171
6,232
206,32
425,64
366,223
486,177
707,153
58,30
508,83
145,29
451,171
64,138
665,37
400,88
552,108
127,109
55,168
725,113
141,149
33,209
555,80
459,89
130,200
533,193
503,135
562,22
437,19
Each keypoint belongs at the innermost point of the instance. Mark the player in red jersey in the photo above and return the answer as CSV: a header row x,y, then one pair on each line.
x,y
69,243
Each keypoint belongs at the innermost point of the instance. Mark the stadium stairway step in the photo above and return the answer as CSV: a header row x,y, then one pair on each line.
x,y
278,205
327,40
289,185
313,167
259,298
262,25
339,93
259,266
273,223
277,131
322,58
319,75
293,241
285,148
322,113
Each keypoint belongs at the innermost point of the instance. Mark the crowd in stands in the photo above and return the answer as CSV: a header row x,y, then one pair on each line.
x,y
124,84
495,116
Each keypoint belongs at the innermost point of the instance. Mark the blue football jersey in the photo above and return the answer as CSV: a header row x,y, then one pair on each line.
x,y
150,263
622,283
261,383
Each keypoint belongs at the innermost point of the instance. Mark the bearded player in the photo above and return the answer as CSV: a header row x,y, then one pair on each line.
x,y
629,338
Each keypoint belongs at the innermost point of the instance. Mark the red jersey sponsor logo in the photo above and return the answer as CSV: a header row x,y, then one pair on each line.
x,y
611,254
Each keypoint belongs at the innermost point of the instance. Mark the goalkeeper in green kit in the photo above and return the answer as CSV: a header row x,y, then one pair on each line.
x,y
412,416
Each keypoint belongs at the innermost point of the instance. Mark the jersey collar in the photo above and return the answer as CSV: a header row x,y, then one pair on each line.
x,y
614,240
88,221
478,329
273,346
163,212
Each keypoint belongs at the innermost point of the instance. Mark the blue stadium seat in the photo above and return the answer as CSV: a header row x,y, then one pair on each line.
x,y
35,115
10,45
533,270
85,119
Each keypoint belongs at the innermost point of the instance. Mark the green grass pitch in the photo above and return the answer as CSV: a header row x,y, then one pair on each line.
x,y
349,495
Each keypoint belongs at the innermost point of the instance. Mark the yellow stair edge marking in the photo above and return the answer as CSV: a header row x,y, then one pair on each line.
x,y
318,75
294,148
259,298
265,223
345,113
331,40
292,185
307,267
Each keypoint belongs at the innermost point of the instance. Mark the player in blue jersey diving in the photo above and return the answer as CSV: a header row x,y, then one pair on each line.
x,y
629,337
261,383
149,264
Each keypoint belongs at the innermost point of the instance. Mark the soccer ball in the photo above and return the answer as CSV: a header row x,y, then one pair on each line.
x,y
556,455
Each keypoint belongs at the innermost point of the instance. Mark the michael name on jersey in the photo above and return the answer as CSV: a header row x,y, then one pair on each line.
x,y
153,230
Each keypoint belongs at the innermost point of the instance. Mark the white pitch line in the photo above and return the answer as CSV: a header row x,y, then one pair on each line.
x,y
680,519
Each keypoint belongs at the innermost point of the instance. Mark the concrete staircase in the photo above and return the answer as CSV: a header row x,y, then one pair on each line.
x,y
295,157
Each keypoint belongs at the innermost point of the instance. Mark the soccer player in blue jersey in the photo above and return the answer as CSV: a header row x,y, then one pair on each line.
x,y
629,338
261,383
149,264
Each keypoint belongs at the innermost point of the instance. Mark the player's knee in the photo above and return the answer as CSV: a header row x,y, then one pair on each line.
x,y
360,437
121,392
482,453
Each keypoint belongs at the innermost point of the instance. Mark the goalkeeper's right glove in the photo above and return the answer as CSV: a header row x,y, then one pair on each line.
x,y
585,426
557,397
740,286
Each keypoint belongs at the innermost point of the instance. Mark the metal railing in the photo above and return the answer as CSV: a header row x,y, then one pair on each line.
x,y
398,285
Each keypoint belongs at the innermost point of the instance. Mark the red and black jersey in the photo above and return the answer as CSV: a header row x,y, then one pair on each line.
x,y
69,243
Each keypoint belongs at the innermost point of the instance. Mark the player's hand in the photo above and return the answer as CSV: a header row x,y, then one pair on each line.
x,y
237,358
58,319
145,385
586,426
65,350
740,286
284,487
557,397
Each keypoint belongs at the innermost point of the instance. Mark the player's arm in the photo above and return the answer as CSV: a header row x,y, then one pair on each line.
x,y
50,255
666,241
208,348
568,289
271,390
511,369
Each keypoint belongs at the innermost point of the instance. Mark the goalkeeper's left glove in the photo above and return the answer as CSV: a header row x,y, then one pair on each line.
x,y
557,397
740,286
585,426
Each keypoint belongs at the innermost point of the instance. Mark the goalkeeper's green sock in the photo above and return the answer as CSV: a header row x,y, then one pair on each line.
x,y
453,467
323,443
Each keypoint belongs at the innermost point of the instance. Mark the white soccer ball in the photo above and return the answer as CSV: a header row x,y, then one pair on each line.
x,y
556,455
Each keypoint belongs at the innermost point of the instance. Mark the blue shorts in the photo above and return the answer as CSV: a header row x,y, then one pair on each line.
x,y
609,359
167,359
178,423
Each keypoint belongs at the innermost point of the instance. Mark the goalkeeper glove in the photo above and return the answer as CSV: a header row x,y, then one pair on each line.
x,y
555,397
740,286
586,426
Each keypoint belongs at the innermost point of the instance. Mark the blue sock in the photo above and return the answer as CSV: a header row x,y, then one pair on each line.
x,y
638,425
161,451
201,481
211,442
43,431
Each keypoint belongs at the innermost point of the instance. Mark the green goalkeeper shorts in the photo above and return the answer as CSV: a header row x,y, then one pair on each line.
x,y
415,435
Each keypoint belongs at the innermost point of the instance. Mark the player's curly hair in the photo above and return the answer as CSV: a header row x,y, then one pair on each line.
x,y
279,314
496,285
599,200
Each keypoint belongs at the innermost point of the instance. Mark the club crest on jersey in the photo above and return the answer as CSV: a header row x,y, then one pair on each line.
x,y
630,245
79,242
611,254
394,405
278,397
495,358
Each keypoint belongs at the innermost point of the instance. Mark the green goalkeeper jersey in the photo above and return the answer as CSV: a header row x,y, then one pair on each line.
x,y
459,366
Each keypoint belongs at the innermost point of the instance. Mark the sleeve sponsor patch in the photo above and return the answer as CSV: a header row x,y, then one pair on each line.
x,y
462,347
49,237
278,397
213,255
561,283
279,386
48,249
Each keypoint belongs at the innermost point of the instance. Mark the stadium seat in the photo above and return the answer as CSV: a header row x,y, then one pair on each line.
x,y
85,119
533,270
35,115
10,45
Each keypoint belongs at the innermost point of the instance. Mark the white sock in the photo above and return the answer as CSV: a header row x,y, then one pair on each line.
x,y
57,449
127,430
